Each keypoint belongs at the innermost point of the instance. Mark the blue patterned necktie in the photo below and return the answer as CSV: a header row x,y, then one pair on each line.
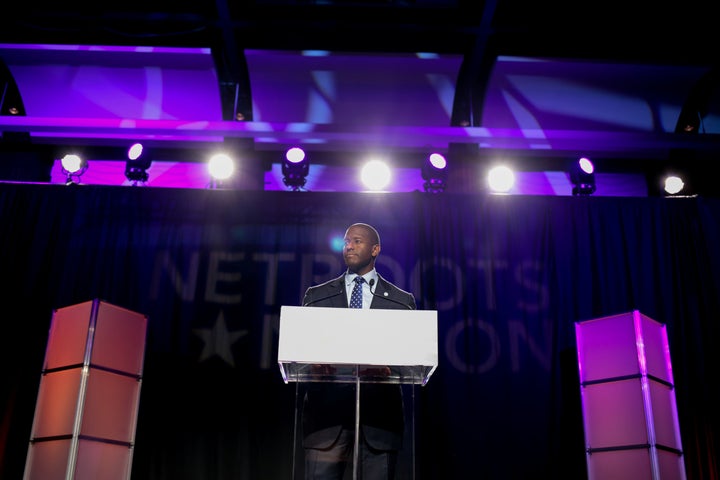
x,y
356,296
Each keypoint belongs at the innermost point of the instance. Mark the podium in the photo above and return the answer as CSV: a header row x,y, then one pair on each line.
x,y
87,404
346,345
628,399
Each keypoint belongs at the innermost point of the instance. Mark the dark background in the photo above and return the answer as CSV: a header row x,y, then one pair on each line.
x,y
508,275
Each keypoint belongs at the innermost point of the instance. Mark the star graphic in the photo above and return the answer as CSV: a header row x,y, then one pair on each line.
x,y
218,340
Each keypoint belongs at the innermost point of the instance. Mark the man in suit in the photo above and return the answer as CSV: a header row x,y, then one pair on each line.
x,y
328,418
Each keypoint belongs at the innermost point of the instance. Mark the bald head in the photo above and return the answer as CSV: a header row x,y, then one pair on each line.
x,y
362,246
373,234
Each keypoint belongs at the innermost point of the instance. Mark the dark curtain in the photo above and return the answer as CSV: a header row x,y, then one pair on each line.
x,y
508,275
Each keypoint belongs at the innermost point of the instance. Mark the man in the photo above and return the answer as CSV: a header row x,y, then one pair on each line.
x,y
328,418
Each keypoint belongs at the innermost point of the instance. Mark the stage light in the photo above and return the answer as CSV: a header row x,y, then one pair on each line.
x,y
673,184
221,167
137,164
375,175
135,151
582,176
295,168
434,172
501,179
73,166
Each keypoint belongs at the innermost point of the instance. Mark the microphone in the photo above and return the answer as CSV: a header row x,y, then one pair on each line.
x,y
372,284
307,304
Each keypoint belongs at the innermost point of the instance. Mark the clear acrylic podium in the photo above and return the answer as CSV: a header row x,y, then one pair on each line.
x,y
344,345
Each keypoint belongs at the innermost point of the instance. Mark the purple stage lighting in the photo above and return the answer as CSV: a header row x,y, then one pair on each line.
x,y
295,168
137,164
582,176
434,173
73,166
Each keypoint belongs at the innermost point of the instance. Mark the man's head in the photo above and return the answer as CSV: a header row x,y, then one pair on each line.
x,y
362,246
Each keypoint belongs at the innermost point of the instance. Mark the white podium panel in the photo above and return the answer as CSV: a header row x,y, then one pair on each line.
x,y
342,344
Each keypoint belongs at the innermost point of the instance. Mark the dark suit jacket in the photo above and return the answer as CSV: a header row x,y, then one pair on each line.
x,y
330,406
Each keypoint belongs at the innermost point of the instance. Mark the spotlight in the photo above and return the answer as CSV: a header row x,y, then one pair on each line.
x,y
375,175
434,173
137,164
73,166
673,184
582,176
295,168
221,167
501,179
